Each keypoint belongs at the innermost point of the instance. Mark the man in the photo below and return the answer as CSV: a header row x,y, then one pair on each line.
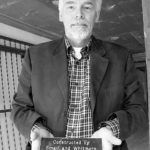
x,y
78,86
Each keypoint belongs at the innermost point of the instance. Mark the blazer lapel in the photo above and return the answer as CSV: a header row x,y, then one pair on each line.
x,y
99,66
60,63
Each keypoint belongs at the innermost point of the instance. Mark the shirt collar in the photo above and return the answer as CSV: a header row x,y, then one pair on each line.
x,y
85,50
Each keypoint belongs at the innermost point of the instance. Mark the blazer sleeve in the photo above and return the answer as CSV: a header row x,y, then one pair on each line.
x,y
132,115
23,114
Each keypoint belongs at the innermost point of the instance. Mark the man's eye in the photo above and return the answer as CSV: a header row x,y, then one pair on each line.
x,y
70,7
87,7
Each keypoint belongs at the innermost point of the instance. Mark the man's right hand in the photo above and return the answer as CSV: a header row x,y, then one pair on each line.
x,y
37,133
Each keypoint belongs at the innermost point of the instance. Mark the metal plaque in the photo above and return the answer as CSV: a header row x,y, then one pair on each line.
x,y
71,144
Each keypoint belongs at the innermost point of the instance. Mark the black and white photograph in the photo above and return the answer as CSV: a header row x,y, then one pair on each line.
x,y
74,74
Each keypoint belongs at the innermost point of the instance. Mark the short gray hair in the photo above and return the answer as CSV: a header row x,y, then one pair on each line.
x,y
98,5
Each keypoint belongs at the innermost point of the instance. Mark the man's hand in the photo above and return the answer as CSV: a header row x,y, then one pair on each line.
x,y
108,139
37,133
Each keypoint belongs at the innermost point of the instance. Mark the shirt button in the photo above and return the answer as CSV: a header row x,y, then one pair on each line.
x,y
72,131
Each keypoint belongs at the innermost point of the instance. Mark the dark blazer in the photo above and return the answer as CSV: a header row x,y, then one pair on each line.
x,y
43,89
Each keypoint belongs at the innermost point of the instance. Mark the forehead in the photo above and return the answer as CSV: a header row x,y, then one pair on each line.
x,y
92,2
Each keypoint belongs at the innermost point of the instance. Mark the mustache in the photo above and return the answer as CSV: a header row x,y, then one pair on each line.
x,y
79,23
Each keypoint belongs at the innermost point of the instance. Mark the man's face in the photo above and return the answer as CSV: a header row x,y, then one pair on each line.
x,y
78,17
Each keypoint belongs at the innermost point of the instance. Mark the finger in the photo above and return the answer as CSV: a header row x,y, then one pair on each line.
x,y
51,135
36,144
33,136
94,135
47,135
106,145
114,140
44,133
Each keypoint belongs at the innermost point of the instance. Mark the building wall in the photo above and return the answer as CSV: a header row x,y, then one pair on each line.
x,y
146,18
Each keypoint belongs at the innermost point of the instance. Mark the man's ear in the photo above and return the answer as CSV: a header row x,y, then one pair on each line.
x,y
97,17
60,17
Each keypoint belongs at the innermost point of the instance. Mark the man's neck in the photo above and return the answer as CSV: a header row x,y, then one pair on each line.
x,y
79,43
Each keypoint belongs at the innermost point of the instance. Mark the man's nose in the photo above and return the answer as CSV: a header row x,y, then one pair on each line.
x,y
79,13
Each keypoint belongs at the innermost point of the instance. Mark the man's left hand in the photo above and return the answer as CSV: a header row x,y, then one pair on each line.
x,y
108,139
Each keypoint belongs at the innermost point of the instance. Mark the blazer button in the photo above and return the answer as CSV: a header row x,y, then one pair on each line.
x,y
65,113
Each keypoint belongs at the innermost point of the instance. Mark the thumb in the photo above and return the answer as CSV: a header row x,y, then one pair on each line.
x,y
51,135
114,140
